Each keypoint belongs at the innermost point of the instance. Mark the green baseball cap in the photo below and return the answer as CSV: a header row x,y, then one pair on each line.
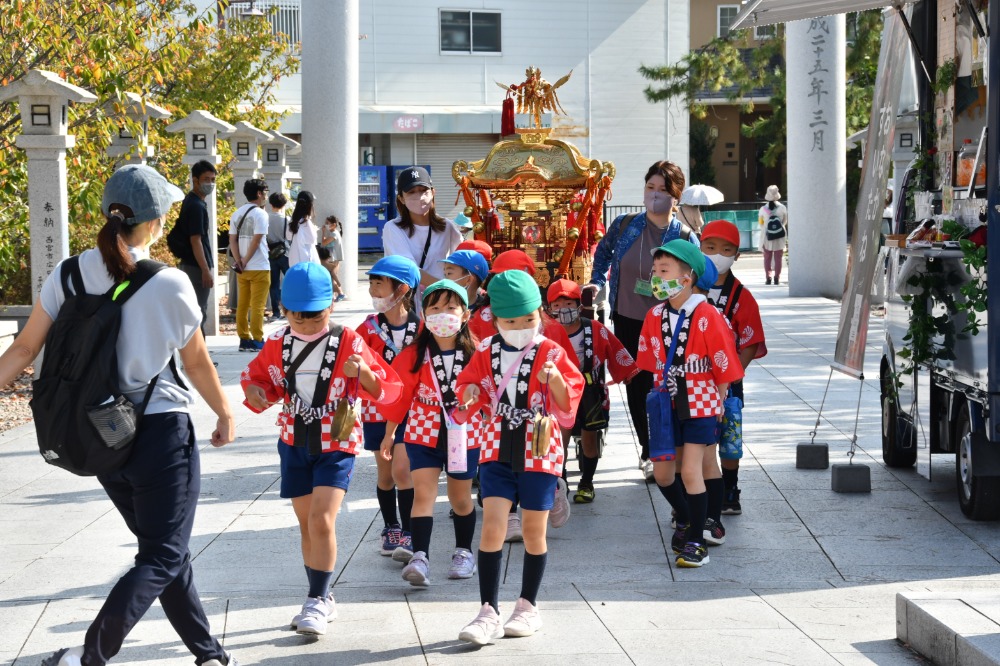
x,y
687,252
513,294
448,285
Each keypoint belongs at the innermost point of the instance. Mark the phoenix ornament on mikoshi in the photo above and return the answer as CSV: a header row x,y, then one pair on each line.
x,y
535,95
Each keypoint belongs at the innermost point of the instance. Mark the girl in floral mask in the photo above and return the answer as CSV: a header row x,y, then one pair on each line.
x,y
521,380
625,252
418,232
595,348
391,328
698,375
434,441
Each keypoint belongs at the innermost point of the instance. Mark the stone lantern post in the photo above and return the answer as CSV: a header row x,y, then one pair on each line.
x,y
243,142
125,148
43,98
274,151
201,129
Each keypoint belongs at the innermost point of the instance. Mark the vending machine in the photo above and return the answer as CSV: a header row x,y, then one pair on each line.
x,y
374,201
394,172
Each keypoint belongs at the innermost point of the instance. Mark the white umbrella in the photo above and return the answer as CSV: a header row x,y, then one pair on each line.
x,y
701,195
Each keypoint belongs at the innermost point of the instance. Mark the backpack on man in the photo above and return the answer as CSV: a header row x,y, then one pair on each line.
x,y
774,228
84,423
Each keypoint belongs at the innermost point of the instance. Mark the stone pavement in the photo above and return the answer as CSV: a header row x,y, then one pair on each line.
x,y
806,576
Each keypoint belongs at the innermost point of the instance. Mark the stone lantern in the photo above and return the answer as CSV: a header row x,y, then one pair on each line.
x,y
201,129
125,148
274,151
43,98
243,142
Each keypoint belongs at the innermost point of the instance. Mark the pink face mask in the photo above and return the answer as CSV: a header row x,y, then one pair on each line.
x,y
658,203
419,204
310,338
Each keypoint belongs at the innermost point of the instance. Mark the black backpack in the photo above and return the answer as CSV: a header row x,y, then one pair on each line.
x,y
774,229
83,421
178,245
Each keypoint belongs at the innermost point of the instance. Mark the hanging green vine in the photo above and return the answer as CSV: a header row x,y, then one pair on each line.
x,y
974,290
929,337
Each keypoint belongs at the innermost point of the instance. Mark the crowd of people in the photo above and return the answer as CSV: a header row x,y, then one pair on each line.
x,y
465,367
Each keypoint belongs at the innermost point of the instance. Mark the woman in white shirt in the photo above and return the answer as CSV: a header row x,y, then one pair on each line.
x,y
302,231
773,235
419,233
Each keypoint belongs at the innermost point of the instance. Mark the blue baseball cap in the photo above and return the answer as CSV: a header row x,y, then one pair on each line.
x,y
471,261
398,268
143,189
707,281
307,288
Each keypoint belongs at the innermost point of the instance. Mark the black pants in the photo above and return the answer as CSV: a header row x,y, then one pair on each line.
x,y
201,293
627,330
156,493
278,268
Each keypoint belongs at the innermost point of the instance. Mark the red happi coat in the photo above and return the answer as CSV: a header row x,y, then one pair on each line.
x,y
375,334
419,403
705,358
481,372
482,325
741,309
610,353
267,371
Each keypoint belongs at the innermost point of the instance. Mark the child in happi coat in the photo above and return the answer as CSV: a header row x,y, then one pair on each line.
x,y
721,245
468,269
705,362
521,379
429,370
394,325
316,370
597,349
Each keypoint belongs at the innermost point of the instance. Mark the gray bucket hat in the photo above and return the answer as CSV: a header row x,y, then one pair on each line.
x,y
142,189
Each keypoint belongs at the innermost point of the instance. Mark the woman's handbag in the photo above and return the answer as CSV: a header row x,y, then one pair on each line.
x,y
659,409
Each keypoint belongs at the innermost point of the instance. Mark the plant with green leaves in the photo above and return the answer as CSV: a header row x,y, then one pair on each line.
x,y
165,50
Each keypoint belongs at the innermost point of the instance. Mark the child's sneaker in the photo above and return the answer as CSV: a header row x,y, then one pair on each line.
x,y
230,661
316,614
331,611
524,621
404,551
485,628
583,495
463,564
714,533
647,470
416,571
560,506
693,555
390,539
513,528
71,656
679,539
731,503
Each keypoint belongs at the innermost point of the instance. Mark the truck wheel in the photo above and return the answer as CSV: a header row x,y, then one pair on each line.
x,y
894,431
978,496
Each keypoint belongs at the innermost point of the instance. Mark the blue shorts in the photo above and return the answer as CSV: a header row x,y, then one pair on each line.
x,y
375,433
422,457
703,430
301,472
536,490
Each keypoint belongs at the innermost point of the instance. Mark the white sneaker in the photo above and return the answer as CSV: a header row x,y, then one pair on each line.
x,y
71,656
230,661
331,612
560,507
485,628
513,528
647,470
416,571
315,616
463,564
524,621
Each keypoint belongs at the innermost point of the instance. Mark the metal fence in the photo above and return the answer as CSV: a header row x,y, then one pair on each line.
x,y
283,15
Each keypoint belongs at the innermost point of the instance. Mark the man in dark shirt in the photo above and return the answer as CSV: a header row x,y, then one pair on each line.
x,y
193,227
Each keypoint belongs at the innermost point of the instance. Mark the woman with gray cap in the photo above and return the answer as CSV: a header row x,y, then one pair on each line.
x,y
157,489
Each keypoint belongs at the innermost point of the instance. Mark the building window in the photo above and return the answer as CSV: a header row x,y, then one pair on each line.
x,y
726,15
470,32
762,32
283,15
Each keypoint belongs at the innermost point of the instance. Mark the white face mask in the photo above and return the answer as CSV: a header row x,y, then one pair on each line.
x,y
384,304
722,262
518,338
419,205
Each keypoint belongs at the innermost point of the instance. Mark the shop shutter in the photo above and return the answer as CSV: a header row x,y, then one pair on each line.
x,y
440,151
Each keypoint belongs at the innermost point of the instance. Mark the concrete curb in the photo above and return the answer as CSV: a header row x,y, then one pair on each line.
x,y
950,629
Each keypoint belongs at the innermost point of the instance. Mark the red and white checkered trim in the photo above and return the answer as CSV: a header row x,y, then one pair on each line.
x,y
286,429
703,398
370,413
489,443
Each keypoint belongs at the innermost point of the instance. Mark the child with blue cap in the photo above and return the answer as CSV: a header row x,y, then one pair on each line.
x,y
394,325
469,269
316,370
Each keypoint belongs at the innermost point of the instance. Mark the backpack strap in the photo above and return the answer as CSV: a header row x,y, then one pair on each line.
x,y
144,271
71,271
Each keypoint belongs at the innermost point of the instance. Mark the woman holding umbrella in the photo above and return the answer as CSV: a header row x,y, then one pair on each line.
x,y
691,201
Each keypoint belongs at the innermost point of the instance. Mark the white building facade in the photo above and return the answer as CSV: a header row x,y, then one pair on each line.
x,y
428,73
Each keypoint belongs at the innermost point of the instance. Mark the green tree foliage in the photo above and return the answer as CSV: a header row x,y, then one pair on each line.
x,y
164,50
736,66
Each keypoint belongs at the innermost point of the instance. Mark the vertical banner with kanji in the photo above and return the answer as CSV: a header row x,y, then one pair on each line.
x,y
852,334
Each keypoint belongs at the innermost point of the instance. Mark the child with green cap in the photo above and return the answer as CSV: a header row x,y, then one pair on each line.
x,y
428,370
703,364
520,379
